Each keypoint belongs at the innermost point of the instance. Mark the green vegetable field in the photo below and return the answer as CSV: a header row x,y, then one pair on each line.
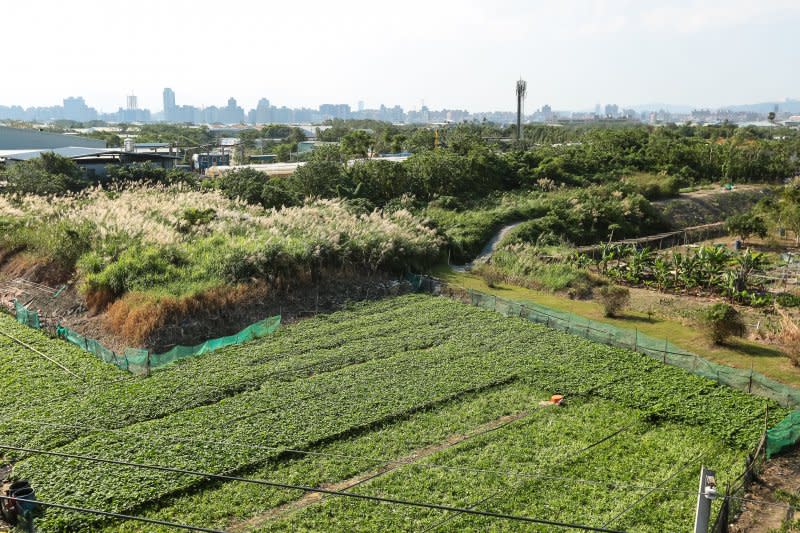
x,y
412,398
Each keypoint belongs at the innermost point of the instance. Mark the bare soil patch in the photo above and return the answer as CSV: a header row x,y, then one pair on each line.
x,y
769,512
709,205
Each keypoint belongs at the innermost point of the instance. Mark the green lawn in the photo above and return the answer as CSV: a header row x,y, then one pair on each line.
x,y
739,353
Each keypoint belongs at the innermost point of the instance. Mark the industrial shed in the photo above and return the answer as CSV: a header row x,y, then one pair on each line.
x,y
93,161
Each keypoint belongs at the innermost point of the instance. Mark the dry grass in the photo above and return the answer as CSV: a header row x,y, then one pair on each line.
x,y
137,316
790,338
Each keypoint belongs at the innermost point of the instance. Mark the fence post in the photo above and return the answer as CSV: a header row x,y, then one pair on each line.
x,y
750,385
635,339
666,345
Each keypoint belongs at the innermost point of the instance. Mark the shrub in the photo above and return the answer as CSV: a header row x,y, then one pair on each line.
x,y
654,186
147,173
721,321
490,274
614,299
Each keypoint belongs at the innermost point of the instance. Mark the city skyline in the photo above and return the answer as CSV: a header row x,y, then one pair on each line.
x,y
574,54
75,108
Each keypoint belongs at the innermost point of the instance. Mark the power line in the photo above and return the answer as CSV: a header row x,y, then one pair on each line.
x,y
645,496
566,458
373,459
31,348
306,488
609,484
112,515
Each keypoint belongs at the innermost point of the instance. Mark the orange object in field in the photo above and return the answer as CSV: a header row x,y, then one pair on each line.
x,y
556,398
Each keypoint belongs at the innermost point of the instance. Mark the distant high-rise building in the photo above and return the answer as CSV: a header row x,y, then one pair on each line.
x,y
334,111
230,114
169,105
132,103
360,105
261,114
612,110
75,108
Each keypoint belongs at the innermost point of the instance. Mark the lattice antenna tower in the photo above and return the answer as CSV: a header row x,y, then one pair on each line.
x,y
522,91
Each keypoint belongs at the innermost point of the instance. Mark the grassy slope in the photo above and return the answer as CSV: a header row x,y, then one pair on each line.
x,y
740,353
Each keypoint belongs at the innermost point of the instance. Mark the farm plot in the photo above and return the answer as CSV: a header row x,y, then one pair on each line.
x,y
382,380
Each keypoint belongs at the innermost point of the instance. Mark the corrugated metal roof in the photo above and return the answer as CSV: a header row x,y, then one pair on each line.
x,y
69,151
21,139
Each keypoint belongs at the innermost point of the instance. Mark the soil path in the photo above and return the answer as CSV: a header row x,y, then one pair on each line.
x,y
488,248
311,498
782,473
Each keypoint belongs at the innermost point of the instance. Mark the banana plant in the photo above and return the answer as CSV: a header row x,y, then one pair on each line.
x,y
745,265
711,265
641,261
661,273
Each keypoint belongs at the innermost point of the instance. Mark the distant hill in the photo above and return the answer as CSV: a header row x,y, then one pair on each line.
x,y
788,105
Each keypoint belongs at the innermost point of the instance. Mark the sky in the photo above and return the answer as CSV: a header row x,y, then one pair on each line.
x,y
462,54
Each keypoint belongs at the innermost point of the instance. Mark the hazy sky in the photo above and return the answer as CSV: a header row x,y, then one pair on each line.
x,y
454,54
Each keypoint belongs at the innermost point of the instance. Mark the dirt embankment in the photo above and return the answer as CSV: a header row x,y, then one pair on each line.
x,y
710,205
221,312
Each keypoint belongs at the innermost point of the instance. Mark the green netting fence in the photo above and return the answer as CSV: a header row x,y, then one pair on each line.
x,y
26,316
140,361
785,434
254,331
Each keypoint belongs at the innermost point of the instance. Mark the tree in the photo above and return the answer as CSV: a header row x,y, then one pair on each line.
x,y
379,180
45,175
357,144
323,175
420,140
245,184
746,224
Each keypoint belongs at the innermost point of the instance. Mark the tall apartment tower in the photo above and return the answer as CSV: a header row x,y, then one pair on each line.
x,y
132,104
169,104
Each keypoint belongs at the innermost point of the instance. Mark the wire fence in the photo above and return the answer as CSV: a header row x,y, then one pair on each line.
x,y
735,491
782,436
138,360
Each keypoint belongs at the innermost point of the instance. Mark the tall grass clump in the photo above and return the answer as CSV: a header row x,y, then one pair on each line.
x,y
174,246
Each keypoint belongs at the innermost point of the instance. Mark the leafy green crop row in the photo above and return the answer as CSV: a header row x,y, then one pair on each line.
x,y
548,446
224,505
379,363
312,347
27,378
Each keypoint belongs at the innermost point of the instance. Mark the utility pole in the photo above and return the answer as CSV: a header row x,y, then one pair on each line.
x,y
707,493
